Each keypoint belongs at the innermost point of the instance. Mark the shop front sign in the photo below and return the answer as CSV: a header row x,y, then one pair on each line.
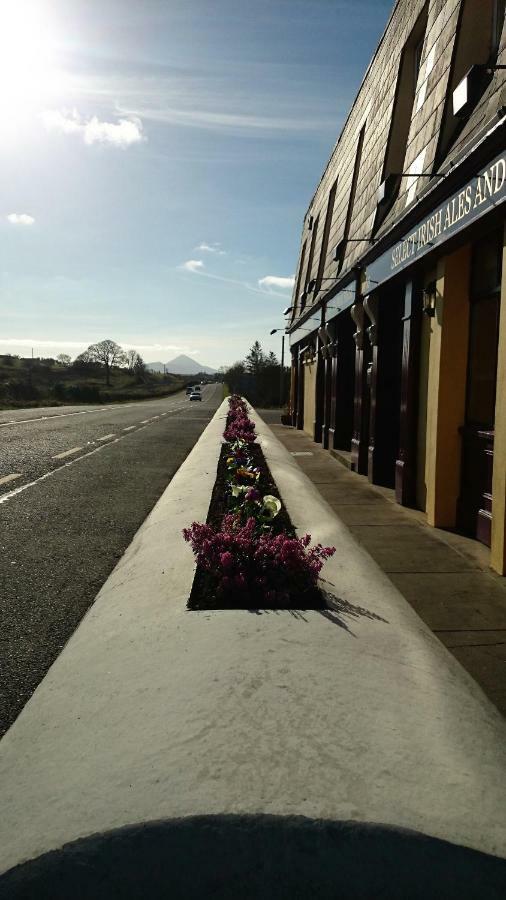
x,y
483,192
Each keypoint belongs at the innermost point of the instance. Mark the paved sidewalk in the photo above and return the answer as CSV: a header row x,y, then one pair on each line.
x,y
443,576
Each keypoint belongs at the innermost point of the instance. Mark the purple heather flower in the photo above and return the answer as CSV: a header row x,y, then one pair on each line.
x,y
227,560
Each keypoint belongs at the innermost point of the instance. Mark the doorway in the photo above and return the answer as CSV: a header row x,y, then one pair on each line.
x,y
474,507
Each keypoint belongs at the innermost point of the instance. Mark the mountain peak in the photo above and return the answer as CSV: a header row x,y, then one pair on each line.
x,y
182,365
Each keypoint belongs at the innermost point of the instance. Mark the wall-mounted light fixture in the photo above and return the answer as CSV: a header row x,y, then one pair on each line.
x,y
287,310
429,296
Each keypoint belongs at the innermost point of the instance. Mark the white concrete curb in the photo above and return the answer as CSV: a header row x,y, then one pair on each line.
x,y
153,712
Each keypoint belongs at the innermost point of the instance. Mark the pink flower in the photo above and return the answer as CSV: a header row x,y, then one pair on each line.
x,y
227,560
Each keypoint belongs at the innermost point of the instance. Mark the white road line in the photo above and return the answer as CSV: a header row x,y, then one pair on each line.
x,y
7,478
144,421
71,462
67,453
106,437
83,412
129,427
24,487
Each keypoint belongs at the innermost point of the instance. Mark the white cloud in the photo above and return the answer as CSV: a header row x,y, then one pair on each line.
x,y
277,281
122,133
197,267
211,248
192,265
20,219
233,122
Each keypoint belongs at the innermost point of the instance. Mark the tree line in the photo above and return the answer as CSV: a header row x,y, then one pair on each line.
x,y
110,355
258,377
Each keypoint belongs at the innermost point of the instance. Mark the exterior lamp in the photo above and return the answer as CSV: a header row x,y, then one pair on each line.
x,y
429,299
287,310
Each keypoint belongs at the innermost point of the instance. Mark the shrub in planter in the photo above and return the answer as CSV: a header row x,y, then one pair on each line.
x,y
263,568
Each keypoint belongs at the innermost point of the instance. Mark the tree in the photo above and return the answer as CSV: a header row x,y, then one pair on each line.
x,y
131,358
255,360
108,353
234,377
139,369
83,358
64,359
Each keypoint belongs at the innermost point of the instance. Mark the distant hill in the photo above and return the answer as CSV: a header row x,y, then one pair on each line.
x,y
181,365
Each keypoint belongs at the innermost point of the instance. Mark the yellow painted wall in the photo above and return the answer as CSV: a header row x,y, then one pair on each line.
x,y
498,548
309,397
446,391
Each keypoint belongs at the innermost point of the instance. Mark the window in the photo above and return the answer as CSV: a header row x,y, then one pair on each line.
x,y
407,79
417,55
341,247
296,299
477,42
310,261
325,237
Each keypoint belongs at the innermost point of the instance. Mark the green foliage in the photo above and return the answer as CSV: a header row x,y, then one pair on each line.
x,y
258,377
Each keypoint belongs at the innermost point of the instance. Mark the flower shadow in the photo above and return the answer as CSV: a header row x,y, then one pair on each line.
x,y
336,610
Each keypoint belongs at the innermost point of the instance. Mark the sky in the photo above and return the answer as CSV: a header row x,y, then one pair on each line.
x,y
157,158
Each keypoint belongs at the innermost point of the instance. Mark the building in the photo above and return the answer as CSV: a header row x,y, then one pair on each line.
x,y
398,319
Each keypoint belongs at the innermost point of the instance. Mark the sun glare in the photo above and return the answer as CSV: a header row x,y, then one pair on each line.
x,y
29,75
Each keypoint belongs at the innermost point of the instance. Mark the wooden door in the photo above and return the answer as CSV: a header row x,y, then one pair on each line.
x,y
474,509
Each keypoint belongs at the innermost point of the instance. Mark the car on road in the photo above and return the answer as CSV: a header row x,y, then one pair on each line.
x,y
195,395
189,390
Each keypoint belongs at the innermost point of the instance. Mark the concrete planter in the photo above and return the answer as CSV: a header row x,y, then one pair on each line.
x,y
153,714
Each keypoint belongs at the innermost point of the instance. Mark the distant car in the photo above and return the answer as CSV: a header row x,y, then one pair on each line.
x,y
189,390
197,387
195,395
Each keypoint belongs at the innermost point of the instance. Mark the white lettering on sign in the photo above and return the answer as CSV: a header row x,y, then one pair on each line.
x,y
483,189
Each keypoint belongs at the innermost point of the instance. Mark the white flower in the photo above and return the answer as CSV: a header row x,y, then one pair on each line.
x,y
238,489
271,505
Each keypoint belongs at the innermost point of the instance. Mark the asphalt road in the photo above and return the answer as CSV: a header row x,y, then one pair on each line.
x,y
75,485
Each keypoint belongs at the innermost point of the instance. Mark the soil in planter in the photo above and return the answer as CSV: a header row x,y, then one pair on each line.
x,y
204,593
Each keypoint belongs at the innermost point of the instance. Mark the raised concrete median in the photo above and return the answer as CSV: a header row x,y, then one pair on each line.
x,y
355,718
